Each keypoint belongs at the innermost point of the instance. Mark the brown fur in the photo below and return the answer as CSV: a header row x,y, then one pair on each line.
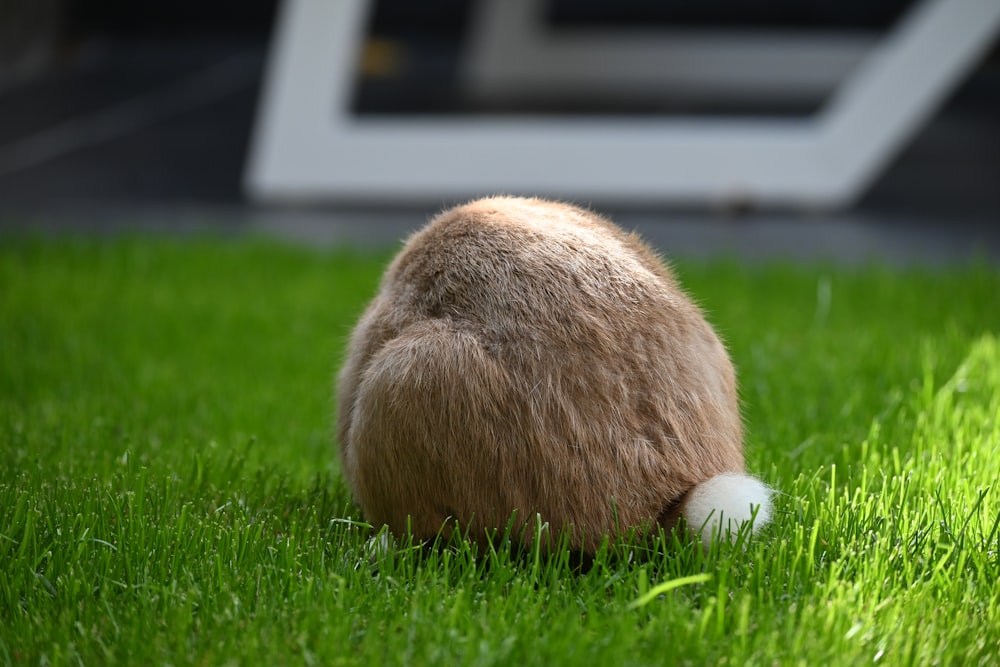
x,y
529,355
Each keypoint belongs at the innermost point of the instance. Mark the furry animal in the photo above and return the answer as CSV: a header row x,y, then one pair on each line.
x,y
529,356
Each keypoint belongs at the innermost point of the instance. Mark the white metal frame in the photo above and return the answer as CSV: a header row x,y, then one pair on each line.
x,y
308,146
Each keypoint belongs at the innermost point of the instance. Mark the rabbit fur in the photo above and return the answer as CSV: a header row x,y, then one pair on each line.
x,y
525,356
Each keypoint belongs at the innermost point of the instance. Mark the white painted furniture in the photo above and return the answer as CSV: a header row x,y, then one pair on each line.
x,y
309,147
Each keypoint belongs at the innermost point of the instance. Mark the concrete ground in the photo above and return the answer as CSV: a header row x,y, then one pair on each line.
x,y
151,137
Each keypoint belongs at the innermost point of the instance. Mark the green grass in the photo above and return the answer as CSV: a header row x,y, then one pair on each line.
x,y
169,490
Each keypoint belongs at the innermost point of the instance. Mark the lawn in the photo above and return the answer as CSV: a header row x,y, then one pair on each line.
x,y
169,491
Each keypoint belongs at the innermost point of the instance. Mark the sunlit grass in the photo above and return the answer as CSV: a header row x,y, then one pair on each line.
x,y
169,490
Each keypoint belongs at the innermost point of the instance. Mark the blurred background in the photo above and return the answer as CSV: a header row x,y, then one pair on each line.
x,y
117,115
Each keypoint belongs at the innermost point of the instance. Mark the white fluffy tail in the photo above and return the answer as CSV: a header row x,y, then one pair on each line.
x,y
722,504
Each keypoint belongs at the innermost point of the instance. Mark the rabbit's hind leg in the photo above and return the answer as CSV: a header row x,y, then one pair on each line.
x,y
429,411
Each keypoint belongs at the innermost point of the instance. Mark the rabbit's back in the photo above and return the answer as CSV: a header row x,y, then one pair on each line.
x,y
526,355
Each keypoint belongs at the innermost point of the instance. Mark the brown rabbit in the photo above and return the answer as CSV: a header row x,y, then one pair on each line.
x,y
525,355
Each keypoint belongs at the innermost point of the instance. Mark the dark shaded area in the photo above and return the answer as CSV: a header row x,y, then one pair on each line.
x,y
195,154
815,15
178,17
